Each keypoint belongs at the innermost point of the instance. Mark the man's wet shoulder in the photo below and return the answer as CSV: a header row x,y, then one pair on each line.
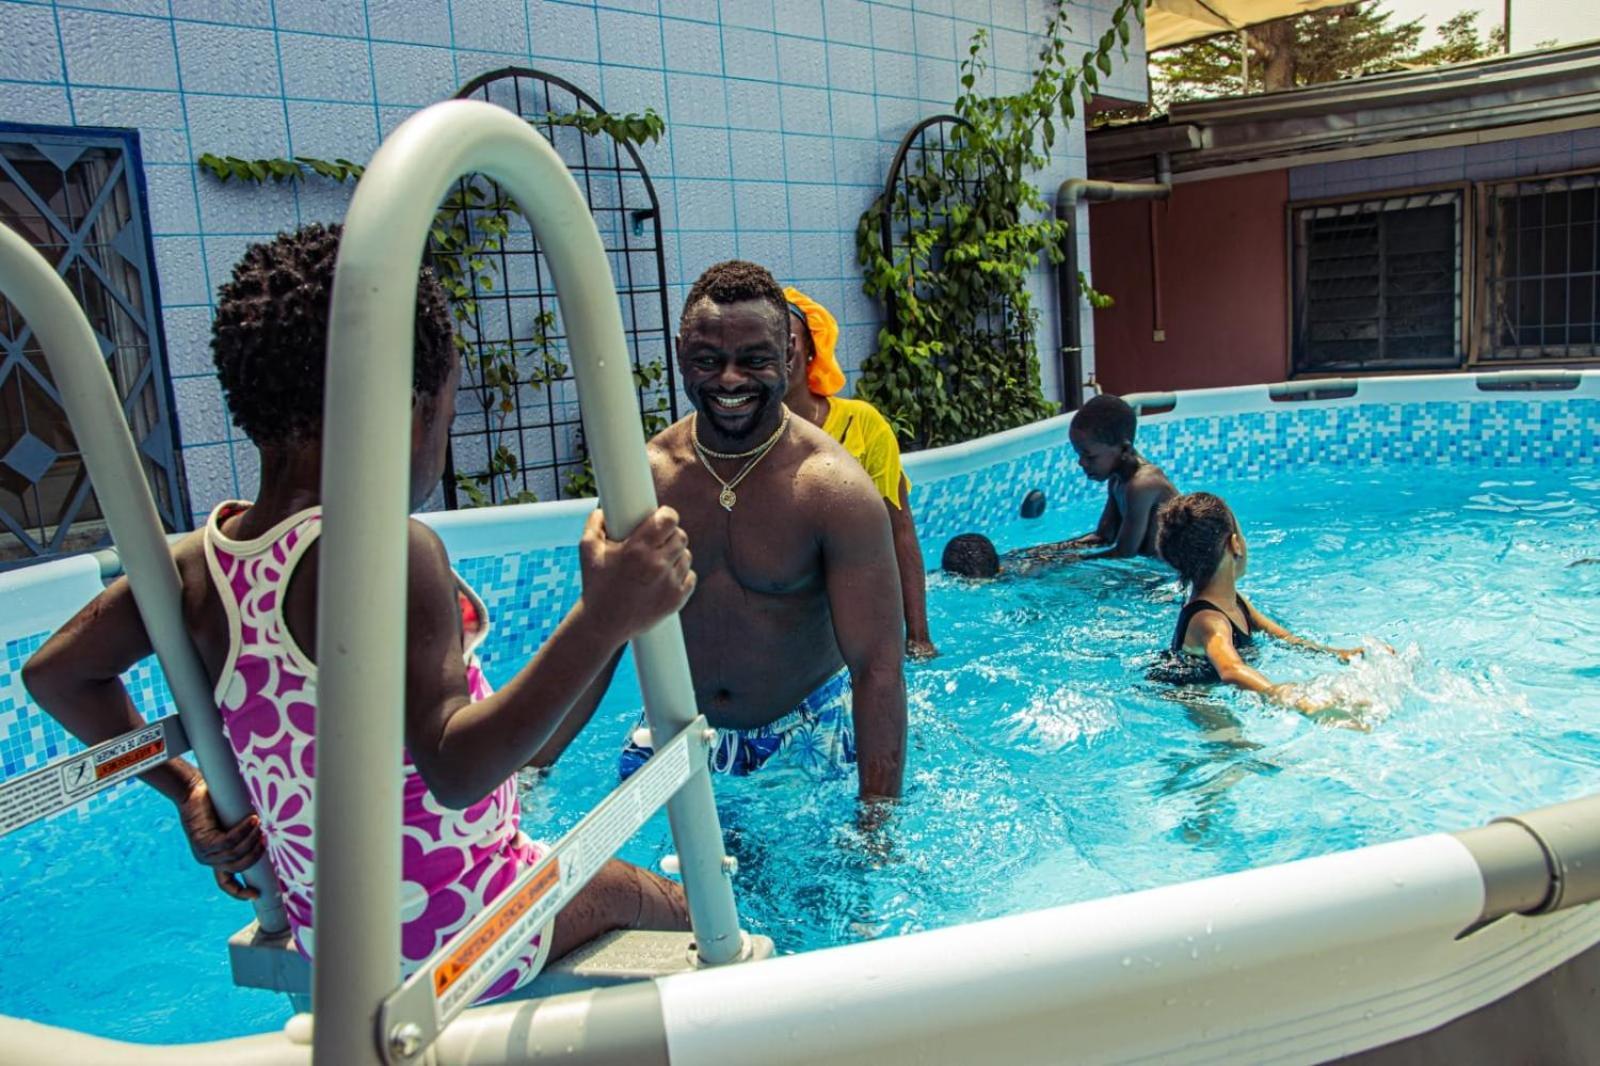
x,y
827,476
670,445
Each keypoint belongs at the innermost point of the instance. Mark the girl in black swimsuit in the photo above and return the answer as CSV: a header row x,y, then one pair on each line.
x,y
1198,537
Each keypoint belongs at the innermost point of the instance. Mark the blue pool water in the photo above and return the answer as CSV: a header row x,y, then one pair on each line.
x,y
1044,767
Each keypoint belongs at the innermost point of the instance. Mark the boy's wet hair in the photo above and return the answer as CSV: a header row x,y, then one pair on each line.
x,y
270,337
1106,419
736,280
971,555
1192,532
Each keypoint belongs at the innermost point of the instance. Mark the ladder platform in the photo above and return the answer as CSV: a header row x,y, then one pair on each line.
x,y
272,963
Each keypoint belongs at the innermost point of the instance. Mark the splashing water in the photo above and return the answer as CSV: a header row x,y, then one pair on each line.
x,y
1046,768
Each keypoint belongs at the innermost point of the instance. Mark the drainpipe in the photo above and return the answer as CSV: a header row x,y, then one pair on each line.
x,y
1069,302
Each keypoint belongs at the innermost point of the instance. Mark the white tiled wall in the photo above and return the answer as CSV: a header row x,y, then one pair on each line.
x,y
781,118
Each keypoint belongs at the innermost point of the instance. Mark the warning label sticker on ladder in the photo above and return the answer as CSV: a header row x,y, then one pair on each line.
x,y
30,796
69,781
106,764
611,825
489,947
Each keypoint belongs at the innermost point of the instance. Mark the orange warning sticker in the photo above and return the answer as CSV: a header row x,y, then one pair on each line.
x,y
461,960
105,764
121,762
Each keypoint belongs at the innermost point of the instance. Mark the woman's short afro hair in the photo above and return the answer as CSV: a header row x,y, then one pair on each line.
x,y
270,336
1192,532
1106,419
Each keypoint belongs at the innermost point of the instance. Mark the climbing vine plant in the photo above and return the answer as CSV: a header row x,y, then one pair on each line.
x,y
975,228
653,418
472,223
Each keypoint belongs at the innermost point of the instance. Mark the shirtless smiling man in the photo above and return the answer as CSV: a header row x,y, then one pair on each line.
x,y
795,630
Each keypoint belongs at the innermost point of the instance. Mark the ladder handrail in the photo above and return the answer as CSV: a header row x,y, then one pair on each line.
x,y
361,584
101,430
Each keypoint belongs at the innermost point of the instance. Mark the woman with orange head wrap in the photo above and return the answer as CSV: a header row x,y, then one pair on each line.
x,y
814,380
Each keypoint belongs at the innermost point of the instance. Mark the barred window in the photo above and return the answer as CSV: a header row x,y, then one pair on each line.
x,y
1542,269
1377,283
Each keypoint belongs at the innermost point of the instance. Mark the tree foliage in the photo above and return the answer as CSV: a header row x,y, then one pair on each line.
x,y
1327,45
1459,42
959,360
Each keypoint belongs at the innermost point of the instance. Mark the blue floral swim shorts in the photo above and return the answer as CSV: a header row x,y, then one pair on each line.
x,y
818,736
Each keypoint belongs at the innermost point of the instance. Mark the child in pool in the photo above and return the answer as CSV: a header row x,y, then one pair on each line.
x,y
1102,434
970,555
1199,537
249,594
973,556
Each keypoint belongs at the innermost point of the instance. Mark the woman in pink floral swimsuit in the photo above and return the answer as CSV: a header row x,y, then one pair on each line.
x,y
249,582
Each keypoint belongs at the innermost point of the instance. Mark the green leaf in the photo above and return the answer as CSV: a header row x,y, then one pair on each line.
x,y
972,239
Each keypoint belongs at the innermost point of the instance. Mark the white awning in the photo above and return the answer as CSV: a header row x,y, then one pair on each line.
x,y
1170,22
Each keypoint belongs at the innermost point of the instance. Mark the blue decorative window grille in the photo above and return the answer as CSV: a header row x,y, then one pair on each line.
x,y
76,195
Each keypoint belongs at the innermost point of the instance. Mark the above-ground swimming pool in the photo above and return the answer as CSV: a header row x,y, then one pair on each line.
x,y
1045,766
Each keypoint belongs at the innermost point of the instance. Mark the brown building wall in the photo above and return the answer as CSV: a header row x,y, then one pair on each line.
x,y
1222,281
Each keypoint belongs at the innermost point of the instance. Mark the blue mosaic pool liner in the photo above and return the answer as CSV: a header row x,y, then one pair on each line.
x,y
1252,446
528,592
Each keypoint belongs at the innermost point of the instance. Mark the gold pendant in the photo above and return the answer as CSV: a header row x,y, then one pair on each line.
x,y
727,498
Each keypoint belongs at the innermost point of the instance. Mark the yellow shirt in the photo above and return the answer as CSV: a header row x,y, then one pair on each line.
x,y
867,435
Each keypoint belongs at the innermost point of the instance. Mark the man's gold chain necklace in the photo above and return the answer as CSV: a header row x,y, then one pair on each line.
x,y
727,497
694,433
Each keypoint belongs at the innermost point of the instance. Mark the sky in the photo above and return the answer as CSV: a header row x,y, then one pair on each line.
x,y
1532,21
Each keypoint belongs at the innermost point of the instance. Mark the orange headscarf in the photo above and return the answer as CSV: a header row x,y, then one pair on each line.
x,y
824,376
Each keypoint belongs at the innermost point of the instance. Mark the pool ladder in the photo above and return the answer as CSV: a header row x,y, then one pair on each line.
x,y
365,1014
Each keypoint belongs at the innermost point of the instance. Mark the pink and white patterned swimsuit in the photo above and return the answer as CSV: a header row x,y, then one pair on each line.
x,y
453,862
